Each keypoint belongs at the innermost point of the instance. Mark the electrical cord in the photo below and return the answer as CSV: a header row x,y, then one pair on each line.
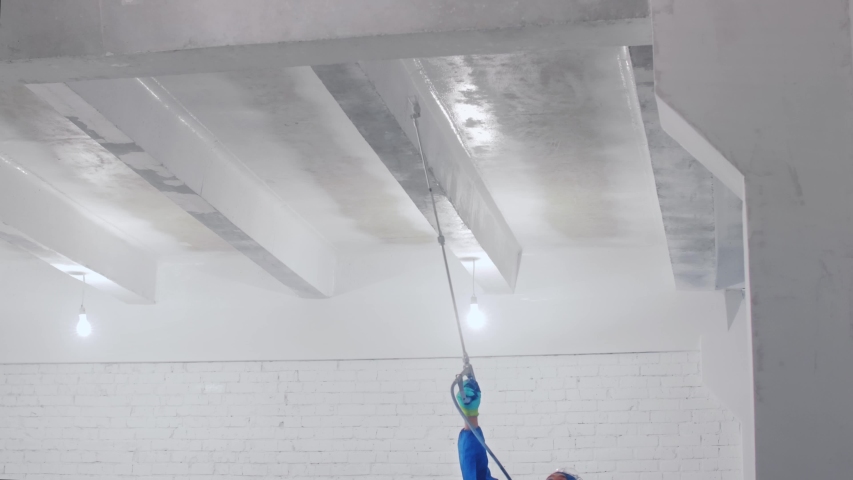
x,y
467,370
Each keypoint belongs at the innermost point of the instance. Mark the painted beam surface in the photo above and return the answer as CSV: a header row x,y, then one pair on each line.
x,y
685,189
166,145
728,210
698,145
475,227
59,41
39,219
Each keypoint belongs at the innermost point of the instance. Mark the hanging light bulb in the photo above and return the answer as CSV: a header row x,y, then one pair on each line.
x,y
84,328
476,318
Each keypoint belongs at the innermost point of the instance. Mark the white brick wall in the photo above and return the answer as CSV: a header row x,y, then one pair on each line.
x,y
623,416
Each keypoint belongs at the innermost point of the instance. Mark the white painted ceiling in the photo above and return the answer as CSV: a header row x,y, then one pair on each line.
x,y
556,136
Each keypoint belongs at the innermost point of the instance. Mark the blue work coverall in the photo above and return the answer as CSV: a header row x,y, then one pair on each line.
x,y
472,456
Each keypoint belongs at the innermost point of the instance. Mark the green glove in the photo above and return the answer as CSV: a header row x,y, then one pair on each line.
x,y
471,404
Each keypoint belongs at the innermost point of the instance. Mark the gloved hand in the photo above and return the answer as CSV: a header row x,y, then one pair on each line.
x,y
471,404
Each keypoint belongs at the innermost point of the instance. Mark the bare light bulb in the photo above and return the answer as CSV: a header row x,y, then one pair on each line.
x,y
84,328
476,317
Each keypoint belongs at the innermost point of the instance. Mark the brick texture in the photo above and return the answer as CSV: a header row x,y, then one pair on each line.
x,y
621,416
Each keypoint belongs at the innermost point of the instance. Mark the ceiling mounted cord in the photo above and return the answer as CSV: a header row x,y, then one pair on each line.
x,y
84,328
466,369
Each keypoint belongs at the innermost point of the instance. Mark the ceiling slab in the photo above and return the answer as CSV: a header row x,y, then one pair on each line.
x,y
554,136
122,39
558,141
213,185
376,98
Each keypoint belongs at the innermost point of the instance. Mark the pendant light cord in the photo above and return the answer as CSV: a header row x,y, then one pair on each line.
x,y
473,276
415,115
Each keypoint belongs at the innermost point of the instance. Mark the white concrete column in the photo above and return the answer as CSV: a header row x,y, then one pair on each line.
x,y
767,86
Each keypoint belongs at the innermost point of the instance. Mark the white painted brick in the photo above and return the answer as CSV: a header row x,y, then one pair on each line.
x,y
659,404
586,383
675,357
636,466
627,416
619,370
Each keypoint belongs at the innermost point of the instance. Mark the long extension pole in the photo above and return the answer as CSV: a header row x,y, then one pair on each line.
x,y
415,115
467,369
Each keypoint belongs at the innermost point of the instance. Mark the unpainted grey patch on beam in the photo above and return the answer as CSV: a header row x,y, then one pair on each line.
x,y
119,149
685,189
362,104
161,184
82,126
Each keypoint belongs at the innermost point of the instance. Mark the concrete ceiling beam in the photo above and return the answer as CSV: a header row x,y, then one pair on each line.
x,y
59,41
699,147
376,97
728,211
43,221
684,187
703,217
189,165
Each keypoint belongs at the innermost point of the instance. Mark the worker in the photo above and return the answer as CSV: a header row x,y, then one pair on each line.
x,y
472,454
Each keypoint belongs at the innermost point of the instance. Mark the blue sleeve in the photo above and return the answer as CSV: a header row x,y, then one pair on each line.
x,y
472,457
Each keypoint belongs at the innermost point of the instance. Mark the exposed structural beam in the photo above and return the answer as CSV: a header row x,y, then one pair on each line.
x,y
685,189
703,217
376,97
694,142
167,146
59,41
41,220
398,82
728,210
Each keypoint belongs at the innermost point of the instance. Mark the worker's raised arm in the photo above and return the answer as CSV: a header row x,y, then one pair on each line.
x,y
470,402
472,455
